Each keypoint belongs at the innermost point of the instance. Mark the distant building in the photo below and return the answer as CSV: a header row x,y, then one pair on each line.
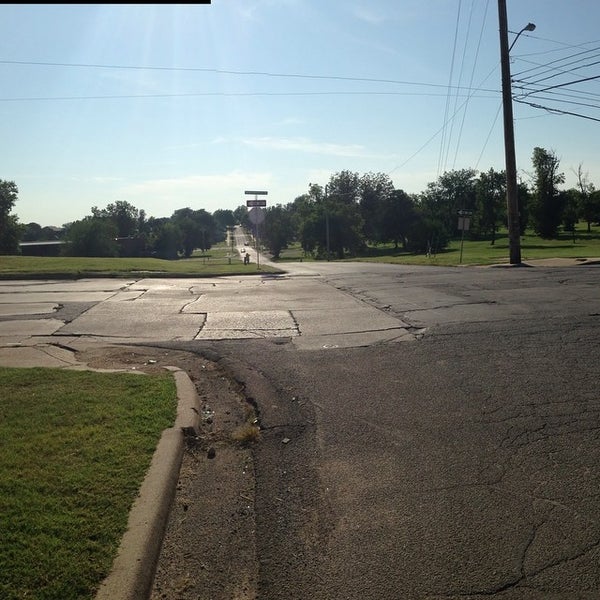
x,y
46,248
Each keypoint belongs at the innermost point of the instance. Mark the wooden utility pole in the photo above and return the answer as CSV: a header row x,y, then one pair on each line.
x,y
512,197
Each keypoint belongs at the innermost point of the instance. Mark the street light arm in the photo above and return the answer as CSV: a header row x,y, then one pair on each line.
x,y
528,27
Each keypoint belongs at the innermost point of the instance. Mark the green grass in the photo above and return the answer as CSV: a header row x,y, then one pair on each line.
x,y
74,448
583,245
484,253
207,265
219,260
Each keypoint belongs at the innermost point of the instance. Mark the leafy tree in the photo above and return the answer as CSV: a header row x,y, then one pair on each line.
x,y
310,232
570,215
398,215
241,216
524,196
344,187
278,230
167,239
10,229
32,232
198,229
443,198
375,189
224,218
427,234
207,227
588,199
490,198
125,217
91,236
300,211
345,229
547,203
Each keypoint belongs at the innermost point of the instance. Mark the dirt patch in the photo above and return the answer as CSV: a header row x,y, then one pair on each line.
x,y
208,550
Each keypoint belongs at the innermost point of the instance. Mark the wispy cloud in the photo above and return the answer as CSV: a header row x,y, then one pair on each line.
x,y
368,15
197,186
306,145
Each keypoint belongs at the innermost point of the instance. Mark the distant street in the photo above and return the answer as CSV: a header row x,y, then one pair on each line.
x,y
442,424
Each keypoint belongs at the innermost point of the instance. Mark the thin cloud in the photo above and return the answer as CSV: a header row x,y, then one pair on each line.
x,y
368,16
197,186
306,145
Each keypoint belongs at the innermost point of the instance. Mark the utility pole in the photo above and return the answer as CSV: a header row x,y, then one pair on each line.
x,y
326,222
512,193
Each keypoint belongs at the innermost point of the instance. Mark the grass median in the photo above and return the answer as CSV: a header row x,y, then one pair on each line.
x,y
74,449
217,262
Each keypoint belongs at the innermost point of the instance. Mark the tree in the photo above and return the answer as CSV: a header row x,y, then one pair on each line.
x,y
427,234
345,228
570,215
589,199
224,218
398,215
125,217
167,240
32,232
277,231
490,198
10,229
524,200
197,227
375,189
547,203
443,198
345,187
91,236
241,216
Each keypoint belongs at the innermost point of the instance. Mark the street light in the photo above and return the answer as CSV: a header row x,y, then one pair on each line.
x,y
512,197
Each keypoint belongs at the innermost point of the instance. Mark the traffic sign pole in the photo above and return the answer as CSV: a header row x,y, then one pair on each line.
x,y
254,204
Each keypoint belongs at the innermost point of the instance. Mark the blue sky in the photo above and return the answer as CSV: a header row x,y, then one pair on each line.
x,y
173,106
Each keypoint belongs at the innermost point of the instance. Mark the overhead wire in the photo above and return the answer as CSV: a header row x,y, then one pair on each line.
x,y
532,86
464,114
460,75
450,79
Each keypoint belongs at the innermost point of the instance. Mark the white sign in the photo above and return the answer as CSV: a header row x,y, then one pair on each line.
x,y
463,223
256,215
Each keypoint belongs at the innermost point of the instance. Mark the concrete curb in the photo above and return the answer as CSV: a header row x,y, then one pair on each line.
x,y
133,569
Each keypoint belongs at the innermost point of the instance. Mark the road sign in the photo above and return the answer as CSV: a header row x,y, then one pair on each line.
x,y
253,193
256,202
463,223
256,215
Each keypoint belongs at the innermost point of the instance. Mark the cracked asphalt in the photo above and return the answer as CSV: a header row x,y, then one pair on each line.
x,y
460,460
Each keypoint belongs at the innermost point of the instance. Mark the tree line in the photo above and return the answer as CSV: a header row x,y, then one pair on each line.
x,y
341,218
353,211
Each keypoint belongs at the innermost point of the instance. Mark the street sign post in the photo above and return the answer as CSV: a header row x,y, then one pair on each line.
x,y
464,220
256,215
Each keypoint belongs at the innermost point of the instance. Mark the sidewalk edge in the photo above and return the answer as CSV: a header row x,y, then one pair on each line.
x,y
133,569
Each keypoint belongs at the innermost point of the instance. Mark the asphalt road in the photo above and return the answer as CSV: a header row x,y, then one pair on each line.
x,y
442,424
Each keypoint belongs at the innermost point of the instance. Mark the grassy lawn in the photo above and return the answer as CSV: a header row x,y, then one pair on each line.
x,y
75,446
583,245
212,263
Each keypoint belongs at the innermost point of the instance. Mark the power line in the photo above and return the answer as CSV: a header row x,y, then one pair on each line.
x,y
557,110
464,115
447,107
233,72
226,94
